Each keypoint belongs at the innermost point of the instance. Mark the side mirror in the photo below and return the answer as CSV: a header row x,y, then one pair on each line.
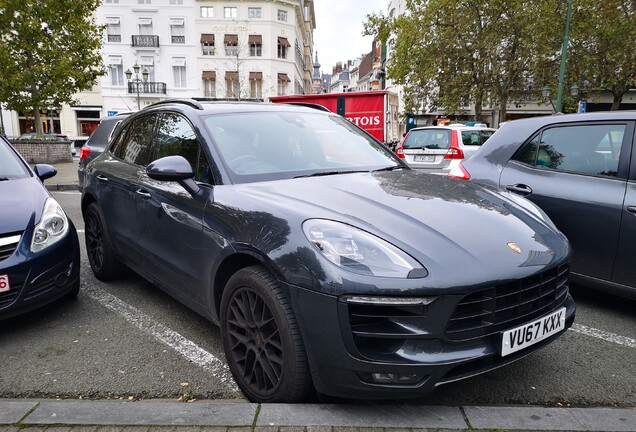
x,y
44,171
174,168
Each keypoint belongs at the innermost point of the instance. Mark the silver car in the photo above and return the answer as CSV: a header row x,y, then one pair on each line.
x,y
439,149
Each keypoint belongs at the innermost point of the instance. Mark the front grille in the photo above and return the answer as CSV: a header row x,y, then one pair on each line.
x,y
8,245
503,306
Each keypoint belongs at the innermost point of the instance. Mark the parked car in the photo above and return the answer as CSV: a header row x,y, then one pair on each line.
x,y
577,168
438,149
324,258
39,250
97,142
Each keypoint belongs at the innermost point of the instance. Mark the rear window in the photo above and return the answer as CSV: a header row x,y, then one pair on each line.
x,y
428,138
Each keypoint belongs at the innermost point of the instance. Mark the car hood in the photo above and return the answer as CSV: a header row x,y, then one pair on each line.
x,y
446,224
21,204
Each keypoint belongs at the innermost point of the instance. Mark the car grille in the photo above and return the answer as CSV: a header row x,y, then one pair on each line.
x,y
8,245
500,307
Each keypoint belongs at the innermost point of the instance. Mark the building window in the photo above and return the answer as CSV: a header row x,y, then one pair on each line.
x,y
256,85
209,84
179,72
231,45
254,12
116,70
230,12
256,45
283,44
177,31
145,27
282,15
147,64
113,30
283,81
207,44
176,2
231,85
207,11
112,1
144,2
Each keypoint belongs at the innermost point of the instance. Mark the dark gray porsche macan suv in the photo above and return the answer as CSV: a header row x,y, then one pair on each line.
x,y
327,262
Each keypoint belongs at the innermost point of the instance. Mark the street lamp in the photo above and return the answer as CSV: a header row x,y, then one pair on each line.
x,y
547,91
137,80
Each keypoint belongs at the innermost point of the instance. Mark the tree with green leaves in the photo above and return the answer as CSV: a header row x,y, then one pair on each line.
x,y
601,54
455,53
50,50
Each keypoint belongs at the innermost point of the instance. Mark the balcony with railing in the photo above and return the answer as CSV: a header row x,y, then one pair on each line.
x,y
145,41
178,39
146,87
114,38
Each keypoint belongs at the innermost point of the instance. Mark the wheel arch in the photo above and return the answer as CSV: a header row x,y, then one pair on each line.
x,y
242,258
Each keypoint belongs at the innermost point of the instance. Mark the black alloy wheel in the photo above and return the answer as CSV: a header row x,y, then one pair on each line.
x,y
99,248
262,342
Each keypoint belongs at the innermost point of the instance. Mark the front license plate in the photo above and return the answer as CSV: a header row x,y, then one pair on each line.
x,y
424,158
4,283
528,334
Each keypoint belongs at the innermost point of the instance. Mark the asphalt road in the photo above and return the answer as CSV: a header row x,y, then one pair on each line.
x,y
128,340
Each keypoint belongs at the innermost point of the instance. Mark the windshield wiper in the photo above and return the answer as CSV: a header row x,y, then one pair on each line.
x,y
389,168
4,178
328,173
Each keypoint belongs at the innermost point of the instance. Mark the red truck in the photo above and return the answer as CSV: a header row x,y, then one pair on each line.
x,y
374,111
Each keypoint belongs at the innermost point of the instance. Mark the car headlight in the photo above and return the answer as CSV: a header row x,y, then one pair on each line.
x,y
52,227
360,252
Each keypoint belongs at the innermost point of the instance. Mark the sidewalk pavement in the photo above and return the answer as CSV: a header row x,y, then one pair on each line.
x,y
223,416
66,177
230,416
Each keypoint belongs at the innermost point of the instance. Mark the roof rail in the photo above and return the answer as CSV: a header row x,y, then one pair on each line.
x,y
190,102
209,99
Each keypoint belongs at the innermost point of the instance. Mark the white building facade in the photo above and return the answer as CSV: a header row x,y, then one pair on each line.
x,y
222,49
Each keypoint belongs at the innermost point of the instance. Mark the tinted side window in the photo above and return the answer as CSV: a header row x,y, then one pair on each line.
x,y
583,149
134,145
475,137
175,137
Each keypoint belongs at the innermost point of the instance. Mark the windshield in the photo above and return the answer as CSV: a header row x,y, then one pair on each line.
x,y
11,167
276,145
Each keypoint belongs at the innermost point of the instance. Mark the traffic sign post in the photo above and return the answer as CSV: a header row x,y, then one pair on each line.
x,y
582,106
112,113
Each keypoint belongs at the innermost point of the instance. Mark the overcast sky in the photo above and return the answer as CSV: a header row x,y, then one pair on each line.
x,y
338,34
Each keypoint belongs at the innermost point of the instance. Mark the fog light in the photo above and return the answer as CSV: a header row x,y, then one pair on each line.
x,y
390,378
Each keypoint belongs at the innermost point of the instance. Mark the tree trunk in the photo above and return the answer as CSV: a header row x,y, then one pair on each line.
x,y
478,106
39,130
616,102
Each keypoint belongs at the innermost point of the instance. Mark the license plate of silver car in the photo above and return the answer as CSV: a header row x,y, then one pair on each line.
x,y
424,158
518,338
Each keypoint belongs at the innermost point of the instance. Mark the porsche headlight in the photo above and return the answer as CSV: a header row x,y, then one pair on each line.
x,y
360,252
52,227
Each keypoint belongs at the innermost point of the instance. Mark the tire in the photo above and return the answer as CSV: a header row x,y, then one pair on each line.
x,y
99,247
263,345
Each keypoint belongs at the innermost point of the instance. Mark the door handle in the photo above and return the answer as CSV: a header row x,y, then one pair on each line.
x,y
102,179
631,209
143,193
520,189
